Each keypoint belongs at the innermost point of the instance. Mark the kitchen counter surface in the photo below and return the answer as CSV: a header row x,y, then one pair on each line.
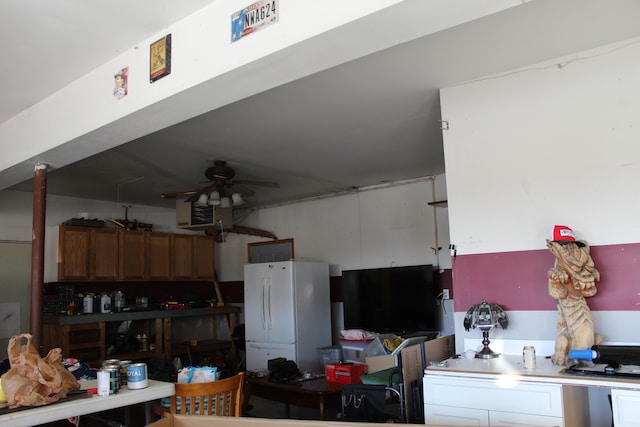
x,y
510,368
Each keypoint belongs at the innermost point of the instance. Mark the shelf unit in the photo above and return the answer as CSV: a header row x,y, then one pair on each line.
x,y
84,336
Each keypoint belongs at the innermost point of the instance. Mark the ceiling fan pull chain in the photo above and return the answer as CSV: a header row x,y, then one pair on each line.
x,y
221,230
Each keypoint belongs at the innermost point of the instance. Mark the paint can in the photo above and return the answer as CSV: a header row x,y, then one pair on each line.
x,y
103,383
114,378
110,363
137,376
124,364
529,357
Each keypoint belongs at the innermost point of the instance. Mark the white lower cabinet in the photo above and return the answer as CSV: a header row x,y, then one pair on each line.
x,y
626,408
504,401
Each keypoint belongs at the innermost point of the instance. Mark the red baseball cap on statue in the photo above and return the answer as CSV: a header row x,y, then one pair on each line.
x,y
564,234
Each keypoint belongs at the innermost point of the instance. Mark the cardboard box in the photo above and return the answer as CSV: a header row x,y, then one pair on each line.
x,y
214,421
345,374
414,359
433,350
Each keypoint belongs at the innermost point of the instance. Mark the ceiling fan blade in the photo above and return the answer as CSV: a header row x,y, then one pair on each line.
x,y
259,183
177,194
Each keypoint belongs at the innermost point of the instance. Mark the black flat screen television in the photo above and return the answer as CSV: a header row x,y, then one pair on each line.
x,y
395,300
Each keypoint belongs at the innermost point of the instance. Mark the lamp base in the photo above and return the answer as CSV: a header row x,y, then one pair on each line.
x,y
486,352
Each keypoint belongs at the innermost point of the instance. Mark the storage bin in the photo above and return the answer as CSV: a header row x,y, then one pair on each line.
x,y
328,355
345,374
354,351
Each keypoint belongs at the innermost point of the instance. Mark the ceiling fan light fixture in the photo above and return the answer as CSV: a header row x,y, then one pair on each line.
x,y
237,199
225,202
214,198
202,200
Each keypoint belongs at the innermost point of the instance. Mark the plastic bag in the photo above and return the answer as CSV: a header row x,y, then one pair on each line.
x,y
32,380
197,374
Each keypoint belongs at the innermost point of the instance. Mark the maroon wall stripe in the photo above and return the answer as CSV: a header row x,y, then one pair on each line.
x,y
518,280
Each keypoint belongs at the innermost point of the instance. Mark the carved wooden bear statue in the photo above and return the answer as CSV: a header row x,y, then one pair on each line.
x,y
572,279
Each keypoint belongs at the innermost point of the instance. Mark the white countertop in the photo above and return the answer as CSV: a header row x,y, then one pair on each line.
x,y
82,406
510,367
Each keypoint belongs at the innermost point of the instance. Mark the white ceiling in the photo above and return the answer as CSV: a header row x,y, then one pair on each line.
x,y
366,122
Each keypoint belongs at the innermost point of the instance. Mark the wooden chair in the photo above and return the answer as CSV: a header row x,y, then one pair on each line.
x,y
221,398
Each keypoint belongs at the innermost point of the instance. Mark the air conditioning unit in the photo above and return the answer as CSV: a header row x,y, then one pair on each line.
x,y
192,216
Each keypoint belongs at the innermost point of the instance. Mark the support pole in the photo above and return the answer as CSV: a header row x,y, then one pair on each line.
x,y
37,252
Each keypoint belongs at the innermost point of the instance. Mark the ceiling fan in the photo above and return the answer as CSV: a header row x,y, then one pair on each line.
x,y
220,191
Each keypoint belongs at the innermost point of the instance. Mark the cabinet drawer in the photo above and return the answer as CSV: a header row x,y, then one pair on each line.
x,y
451,416
497,418
495,395
626,407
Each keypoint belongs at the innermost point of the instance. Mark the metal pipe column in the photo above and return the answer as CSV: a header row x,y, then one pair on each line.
x,y
37,252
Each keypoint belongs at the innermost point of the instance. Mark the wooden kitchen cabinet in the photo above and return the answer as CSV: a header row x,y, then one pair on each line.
x,y
133,255
204,258
159,256
183,256
74,254
104,252
82,254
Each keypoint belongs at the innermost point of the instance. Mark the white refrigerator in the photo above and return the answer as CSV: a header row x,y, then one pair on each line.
x,y
287,311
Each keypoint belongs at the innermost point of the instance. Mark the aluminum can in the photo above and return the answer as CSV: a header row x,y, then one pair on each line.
x,y
110,363
103,383
137,376
124,364
114,378
529,357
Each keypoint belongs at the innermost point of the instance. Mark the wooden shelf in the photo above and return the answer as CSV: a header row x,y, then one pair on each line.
x,y
83,337
202,346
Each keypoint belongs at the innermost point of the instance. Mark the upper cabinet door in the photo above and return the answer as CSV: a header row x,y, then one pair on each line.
x,y
159,256
105,254
183,262
132,255
73,253
204,258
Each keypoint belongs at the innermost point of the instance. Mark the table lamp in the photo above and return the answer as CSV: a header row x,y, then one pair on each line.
x,y
485,316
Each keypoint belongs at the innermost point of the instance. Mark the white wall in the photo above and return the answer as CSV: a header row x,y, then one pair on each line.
x,y
375,228
552,143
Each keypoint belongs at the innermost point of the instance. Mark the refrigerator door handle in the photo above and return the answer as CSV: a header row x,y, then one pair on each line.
x,y
263,311
268,315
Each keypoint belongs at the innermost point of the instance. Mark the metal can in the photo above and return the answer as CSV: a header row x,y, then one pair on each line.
x,y
110,362
114,378
529,357
87,304
124,364
103,383
137,376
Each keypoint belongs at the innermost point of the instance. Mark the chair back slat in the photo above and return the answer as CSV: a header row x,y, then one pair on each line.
x,y
222,398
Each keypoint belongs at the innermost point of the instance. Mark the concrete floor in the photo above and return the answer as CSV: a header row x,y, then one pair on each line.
x,y
263,408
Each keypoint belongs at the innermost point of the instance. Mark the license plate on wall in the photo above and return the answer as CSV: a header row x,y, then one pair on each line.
x,y
252,18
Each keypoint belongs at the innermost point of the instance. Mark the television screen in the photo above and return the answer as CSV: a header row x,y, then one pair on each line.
x,y
390,300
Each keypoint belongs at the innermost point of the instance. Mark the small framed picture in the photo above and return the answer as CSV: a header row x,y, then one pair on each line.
x,y
121,83
160,59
